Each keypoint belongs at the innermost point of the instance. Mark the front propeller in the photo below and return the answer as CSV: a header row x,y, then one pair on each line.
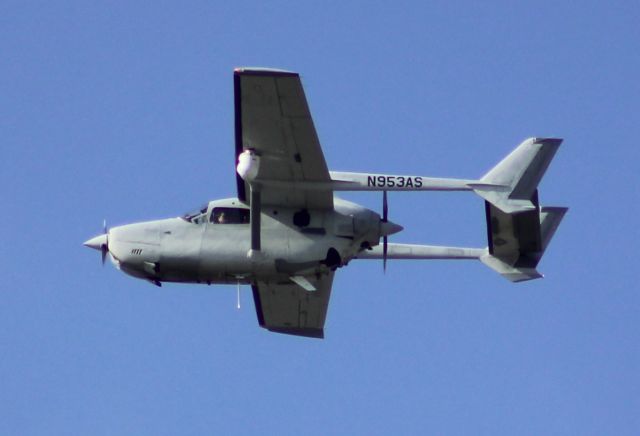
x,y
104,248
100,242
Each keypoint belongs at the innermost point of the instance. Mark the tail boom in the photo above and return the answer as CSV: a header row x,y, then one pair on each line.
x,y
343,181
422,252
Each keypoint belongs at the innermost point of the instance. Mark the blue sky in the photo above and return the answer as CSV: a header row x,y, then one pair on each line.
x,y
124,111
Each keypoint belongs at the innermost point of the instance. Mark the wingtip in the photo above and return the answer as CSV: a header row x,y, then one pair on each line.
x,y
263,71
308,332
548,141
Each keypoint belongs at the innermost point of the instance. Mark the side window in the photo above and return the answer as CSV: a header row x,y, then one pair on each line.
x,y
230,215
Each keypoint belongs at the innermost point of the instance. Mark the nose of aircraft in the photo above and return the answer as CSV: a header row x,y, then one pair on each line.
x,y
97,242
101,243
389,228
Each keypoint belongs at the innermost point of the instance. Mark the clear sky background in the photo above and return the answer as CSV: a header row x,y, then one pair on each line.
x,y
124,111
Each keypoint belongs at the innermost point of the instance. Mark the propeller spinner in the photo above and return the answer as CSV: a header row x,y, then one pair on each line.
x,y
100,242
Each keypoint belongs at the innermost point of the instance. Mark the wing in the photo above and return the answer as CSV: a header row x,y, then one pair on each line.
x,y
273,119
287,308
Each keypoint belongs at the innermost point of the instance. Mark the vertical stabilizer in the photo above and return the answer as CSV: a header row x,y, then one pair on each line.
x,y
550,218
519,175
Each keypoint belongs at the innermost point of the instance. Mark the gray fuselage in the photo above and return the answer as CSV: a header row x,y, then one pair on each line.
x,y
213,245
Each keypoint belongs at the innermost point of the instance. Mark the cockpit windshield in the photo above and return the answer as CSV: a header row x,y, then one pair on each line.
x,y
197,216
230,215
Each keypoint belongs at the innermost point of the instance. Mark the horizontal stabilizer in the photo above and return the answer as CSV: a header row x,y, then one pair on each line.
x,y
511,273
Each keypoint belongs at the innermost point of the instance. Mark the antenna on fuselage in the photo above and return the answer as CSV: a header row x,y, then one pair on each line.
x,y
254,217
238,293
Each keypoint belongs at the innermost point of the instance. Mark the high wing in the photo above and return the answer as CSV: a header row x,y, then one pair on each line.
x,y
272,118
287,308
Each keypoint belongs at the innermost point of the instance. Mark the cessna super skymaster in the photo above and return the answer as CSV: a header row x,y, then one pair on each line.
x,y
286,234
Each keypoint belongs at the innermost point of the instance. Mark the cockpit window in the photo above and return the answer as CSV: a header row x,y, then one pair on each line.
x,y
197,216
230,215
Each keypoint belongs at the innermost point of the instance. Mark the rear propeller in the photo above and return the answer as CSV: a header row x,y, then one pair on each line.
x,y
386,228
385,219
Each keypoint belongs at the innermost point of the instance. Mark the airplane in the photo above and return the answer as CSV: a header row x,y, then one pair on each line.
x,y
286,234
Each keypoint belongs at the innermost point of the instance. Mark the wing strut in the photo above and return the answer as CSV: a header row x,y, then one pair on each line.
x,y
255,208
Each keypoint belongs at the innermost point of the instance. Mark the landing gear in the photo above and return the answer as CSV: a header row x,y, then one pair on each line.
x,y
333,259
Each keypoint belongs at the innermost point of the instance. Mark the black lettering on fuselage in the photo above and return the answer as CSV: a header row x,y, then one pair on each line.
x,y
394,181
